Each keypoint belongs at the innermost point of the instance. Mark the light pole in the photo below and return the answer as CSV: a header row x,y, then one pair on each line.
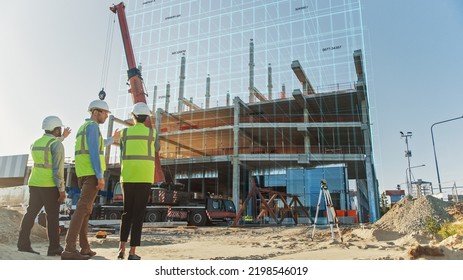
x,y
409,170
434,148
416,166
408,154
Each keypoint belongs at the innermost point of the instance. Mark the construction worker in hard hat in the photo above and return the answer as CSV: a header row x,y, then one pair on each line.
x,y
46,186
137,176
90,166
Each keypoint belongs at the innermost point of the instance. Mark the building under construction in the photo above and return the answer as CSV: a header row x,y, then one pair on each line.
x,y
222,127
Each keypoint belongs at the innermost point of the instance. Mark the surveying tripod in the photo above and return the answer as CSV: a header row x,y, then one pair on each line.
x,y
330,212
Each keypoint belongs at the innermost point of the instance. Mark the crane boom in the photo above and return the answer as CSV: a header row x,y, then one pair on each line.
x,y
134,74
135,79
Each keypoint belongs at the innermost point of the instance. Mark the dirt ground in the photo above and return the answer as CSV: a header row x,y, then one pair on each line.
x,y
398,235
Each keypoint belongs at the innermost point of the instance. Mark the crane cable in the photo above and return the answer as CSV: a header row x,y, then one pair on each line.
x,y
107,54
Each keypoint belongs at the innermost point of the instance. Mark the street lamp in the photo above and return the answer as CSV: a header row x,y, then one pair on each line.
x,y
434,148
408,154
416,166
409,169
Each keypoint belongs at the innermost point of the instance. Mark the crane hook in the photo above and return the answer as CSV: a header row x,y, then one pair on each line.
x,y
102,94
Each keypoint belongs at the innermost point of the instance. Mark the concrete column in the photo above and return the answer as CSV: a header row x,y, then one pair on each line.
x,y
371,182
283,91
251,71
306,136
158,129
109,134
167,97
269,82
155,98
107,154
235,159
208,90
182,85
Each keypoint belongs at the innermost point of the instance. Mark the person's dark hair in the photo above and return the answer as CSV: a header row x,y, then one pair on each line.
x,y
52,131
140,118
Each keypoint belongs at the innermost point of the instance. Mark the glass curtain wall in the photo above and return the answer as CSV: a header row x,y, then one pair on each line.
x,y
202,54
214,38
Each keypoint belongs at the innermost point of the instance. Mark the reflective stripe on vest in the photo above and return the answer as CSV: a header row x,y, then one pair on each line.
x,y
149,138
82,156
42,171
137,154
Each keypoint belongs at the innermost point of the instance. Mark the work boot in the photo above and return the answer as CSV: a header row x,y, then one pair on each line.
x,y
87,252
134,257
55,252
28,250
73,256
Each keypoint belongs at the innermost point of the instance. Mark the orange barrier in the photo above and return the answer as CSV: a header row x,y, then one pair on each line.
x,y
353,213
340,213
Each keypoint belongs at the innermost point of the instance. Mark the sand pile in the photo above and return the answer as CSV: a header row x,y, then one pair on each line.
x,y
415,215
11,220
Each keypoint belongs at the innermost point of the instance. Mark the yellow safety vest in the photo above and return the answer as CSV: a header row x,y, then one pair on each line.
x,y
82,157
137,154
42,171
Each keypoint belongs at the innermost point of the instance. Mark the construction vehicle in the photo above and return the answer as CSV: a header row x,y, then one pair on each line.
x,y
170,203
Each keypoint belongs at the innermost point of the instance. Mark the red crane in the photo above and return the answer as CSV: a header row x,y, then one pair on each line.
x,y
135,79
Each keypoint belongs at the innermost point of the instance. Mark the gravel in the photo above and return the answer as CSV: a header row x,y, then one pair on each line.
x,y
414,215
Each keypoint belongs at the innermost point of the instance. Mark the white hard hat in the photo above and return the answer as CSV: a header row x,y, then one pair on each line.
x,y
51,122
141,108
98,104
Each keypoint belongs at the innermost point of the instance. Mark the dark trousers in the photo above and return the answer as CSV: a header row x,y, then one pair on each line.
x,y
41,197
135,200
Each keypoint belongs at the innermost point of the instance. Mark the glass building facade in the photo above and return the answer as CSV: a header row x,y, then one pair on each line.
x,y
272,90
214,37
306,184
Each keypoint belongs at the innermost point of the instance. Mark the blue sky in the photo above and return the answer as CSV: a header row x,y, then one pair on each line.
x,y
52,57
415,81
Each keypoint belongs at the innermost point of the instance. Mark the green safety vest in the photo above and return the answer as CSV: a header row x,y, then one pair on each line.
x,y
137,154
42,171
82,157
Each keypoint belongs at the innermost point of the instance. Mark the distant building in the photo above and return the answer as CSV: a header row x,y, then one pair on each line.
x,y
13,170
395,195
